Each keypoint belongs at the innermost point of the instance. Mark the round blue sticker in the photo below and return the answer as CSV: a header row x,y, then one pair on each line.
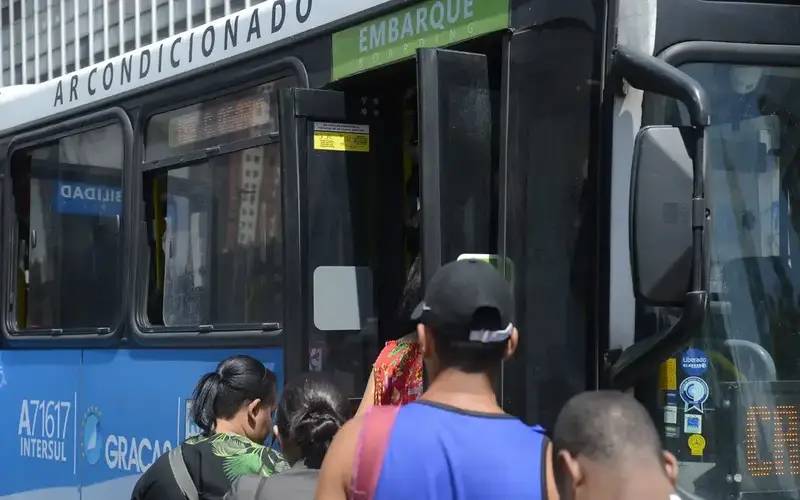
x,y
694,362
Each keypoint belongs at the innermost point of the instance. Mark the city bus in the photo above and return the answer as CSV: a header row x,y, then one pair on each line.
x,y
261,184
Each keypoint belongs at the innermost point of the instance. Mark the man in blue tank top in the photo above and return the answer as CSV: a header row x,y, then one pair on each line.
x,y
455,442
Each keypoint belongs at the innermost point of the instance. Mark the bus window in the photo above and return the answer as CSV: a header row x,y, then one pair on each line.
x,y
739,379
68,209
240,116
214,225
220,244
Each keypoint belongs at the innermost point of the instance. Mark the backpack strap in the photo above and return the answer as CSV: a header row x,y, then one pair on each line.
x,y
181,474
373,441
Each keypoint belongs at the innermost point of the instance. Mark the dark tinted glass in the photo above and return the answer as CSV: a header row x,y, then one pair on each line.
x,y
68,207
215,241
466,207
549,230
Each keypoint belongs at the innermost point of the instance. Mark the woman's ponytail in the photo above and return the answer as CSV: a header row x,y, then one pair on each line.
x,y
314,430
309,415
205,395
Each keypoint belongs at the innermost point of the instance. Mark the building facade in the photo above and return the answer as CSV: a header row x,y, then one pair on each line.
x,y
44,39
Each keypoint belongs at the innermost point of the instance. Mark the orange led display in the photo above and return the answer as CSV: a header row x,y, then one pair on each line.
x,y
772,440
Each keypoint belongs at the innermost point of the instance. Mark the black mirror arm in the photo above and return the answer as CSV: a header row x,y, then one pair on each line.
x,y
644,356
652,74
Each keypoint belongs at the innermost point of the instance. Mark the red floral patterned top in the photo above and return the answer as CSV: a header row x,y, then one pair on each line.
x,y
398,373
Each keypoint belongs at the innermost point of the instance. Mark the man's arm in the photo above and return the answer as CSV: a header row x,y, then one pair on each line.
x,y
337,468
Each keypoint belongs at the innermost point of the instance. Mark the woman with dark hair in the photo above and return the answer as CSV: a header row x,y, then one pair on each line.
x,y
397,375
232,405
310,413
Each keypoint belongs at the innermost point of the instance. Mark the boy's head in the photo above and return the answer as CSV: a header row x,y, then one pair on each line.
x,y
603,442
465,320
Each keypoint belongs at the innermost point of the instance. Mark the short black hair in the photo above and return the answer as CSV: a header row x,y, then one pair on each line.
x,y
236,381
605,426
472,357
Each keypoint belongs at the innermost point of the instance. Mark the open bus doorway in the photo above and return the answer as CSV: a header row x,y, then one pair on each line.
x,y
388,98
393,164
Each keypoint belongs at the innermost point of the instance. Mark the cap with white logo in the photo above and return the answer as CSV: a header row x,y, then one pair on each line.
x,y
457,292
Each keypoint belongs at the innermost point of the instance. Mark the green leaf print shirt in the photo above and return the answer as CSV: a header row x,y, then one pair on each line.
x,y
214,462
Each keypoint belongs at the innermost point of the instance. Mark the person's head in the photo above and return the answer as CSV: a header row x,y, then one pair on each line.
x,y
410,298
241,392
309,414
604,440
465,320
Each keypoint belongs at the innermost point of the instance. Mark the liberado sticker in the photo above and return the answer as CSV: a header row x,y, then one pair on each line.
x,y
694,362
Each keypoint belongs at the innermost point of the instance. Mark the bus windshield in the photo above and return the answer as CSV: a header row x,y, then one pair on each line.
x,y
731,400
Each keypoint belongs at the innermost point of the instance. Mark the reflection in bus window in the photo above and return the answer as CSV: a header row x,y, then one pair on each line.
x,y
68,208
216,257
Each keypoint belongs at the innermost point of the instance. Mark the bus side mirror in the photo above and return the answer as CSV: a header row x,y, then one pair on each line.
x,y
669,239
661,215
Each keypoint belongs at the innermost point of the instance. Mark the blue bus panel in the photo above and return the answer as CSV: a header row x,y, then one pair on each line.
x,y
85,424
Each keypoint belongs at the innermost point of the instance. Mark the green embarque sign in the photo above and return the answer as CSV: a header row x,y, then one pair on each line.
x,y
433,23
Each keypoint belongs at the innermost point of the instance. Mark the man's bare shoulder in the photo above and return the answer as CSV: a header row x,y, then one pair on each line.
x,y
348,434
337,467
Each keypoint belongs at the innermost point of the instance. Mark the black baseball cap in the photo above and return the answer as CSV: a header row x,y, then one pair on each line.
x,y
457,292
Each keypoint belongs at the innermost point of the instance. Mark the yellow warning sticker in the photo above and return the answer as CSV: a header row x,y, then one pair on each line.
x,y
341,137
668,375
697,444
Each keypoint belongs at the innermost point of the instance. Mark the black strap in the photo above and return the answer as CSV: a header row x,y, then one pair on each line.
x,y
181,474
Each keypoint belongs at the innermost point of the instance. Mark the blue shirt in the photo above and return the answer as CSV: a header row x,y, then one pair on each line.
x,y
440,452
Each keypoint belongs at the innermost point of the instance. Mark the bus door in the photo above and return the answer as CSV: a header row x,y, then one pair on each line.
x,y
457,184
331,151
458,176
345,194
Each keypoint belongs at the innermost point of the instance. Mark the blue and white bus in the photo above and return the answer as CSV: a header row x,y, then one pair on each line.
x,y
260,184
